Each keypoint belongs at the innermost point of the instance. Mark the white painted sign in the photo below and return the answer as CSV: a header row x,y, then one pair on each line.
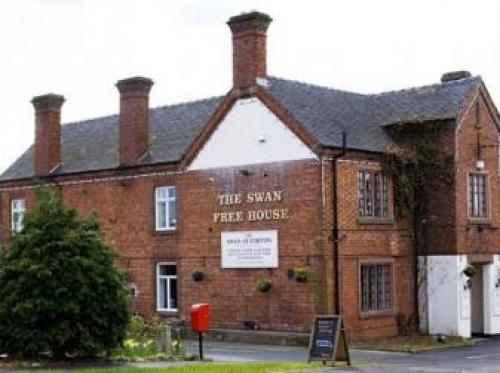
x,y
249,249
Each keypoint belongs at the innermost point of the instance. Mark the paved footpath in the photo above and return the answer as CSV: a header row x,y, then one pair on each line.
x,y
484,357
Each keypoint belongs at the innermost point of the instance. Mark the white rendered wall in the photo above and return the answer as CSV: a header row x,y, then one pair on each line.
x,y
444,297
491,293
250,134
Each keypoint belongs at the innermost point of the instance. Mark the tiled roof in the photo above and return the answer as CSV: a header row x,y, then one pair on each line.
x,y
323,112
93,144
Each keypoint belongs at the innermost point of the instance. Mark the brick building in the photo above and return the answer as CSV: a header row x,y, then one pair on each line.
x,y
276,176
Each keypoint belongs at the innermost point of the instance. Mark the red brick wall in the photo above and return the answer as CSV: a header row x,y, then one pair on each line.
x,y
369,242
232,292
126,210
475,236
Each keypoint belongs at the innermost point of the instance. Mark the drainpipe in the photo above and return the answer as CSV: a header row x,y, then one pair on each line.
x,y
416,300
336,235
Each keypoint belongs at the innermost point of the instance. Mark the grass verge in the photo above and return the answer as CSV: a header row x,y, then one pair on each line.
x,y
273,367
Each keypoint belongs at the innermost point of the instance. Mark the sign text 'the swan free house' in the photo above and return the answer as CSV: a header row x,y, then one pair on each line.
x,y
249,198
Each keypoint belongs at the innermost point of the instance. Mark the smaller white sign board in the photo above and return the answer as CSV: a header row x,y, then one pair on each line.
x,y
249,249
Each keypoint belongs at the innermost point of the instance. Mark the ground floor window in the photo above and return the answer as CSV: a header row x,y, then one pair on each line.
x,y
166,285
376,287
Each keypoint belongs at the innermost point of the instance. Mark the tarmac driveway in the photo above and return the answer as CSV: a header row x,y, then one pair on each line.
x,y
484,357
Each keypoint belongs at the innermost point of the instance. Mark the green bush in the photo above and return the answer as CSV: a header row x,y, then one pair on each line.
x,y
300,274
264,285
142,341
61,293
142,329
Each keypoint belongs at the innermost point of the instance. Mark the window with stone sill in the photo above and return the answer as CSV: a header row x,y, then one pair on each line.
x,y
165,208
478,196
17,211
373,196
376,287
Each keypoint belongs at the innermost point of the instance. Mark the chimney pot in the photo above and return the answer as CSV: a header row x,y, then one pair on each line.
x,y
136,84
455,75
249,32
47,155
134,119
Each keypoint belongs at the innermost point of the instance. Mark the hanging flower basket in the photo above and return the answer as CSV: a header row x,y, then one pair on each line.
x,y
264,286
197,275
300,274
469,270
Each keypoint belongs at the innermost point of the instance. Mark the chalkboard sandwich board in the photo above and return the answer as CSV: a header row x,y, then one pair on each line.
x,y
328,341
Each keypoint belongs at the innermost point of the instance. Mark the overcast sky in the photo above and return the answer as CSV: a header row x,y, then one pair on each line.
x,y
80,48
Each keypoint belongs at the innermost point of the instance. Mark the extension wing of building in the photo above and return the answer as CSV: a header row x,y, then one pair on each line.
x,y
274,202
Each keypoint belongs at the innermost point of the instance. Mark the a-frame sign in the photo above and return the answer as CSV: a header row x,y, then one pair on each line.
x,y
328,341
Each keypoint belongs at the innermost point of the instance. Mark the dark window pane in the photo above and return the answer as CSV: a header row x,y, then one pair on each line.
x,y
168,269
376,294
173,293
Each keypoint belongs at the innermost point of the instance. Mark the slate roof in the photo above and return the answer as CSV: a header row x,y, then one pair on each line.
x,y
326,113
323,112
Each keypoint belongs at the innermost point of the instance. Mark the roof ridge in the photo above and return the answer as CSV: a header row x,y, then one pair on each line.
x,y
427,86
312,85
85,121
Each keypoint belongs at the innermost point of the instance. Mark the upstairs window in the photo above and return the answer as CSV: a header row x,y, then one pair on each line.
x,y
166,286
166,216
372,194
17,210
376,287
478,196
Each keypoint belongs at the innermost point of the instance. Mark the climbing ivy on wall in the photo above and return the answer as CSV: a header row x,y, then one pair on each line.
x,y
417,166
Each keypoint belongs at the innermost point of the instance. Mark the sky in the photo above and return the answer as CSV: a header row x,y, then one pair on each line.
x,y
80,48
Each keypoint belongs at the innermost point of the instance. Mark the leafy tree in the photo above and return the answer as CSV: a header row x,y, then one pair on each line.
x,y
60,293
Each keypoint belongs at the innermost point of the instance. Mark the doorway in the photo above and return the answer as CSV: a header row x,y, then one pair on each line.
x,y
477,301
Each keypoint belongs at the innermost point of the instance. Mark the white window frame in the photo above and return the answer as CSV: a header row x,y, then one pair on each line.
x,y
167,200
17,208
378,197
167,278
473,198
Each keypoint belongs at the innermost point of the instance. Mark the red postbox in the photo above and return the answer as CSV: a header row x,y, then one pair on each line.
x,y
200,321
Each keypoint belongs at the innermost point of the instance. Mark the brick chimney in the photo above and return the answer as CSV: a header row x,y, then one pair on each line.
x,y
249,47
134,119
47,155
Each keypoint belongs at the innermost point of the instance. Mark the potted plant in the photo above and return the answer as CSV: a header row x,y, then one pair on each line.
x,y
469,270
300,274
197,275
264,286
